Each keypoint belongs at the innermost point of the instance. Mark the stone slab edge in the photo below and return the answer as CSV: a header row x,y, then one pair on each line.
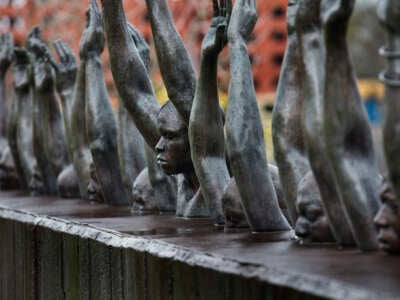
x,y
314,285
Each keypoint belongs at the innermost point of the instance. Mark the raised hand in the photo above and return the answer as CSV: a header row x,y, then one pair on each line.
x,y
6,52
216,37
141,45
36,46
291,15
243,19
66,69
22,69
336,11
92,41
389,14
43,62
308,13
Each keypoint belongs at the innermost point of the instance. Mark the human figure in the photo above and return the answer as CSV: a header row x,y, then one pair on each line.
x,y
100,120
66,70
388,220
389,15
312,224
206,127
48,131
347,133
287,132
246,148
162,128
312,53
232,206
20,126
6,56
73,91
8,175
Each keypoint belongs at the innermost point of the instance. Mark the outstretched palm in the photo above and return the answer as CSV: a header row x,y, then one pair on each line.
x,y
22,68
92,41
243,20
43,61
336,11
216,37
141,45
6,52
66,69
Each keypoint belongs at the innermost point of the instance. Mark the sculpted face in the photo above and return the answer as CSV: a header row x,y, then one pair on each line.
x,y
388,221
312,223
173,150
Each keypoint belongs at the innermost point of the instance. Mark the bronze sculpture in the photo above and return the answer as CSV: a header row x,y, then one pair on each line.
x,y
387,219
312,224
75,116
101,124
206,126
312,52
159,126
20,132
48,131
347,133
8,174
66,70
287,133
246,148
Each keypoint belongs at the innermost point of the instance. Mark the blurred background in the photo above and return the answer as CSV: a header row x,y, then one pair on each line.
x,y
65,20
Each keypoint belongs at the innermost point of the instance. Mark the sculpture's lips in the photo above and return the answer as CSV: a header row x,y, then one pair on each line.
x,y
161,161
384,245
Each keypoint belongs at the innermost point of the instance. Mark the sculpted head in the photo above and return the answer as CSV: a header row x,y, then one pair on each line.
x,y
388,221
312,224
93,188
173,150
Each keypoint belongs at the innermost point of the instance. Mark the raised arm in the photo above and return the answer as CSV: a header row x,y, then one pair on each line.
x,y
66,71
100,120
175,65
206,126
287,132
311,46
130,74
245,138
49,136
347,132
389,15
71,85
6,53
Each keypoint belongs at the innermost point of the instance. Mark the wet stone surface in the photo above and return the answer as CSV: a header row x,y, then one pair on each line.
x,y
178,252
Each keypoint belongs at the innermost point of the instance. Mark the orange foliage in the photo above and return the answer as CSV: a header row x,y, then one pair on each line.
x,y
66,19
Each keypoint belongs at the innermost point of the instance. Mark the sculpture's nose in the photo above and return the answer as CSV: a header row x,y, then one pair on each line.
x,y
160,147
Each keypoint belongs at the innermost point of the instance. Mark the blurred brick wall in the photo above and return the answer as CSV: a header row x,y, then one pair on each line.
x,y
60,19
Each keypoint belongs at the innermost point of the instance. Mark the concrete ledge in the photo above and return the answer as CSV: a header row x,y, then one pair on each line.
x,y
69,249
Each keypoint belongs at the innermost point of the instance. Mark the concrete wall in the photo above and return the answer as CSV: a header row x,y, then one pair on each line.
x,y
56,260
